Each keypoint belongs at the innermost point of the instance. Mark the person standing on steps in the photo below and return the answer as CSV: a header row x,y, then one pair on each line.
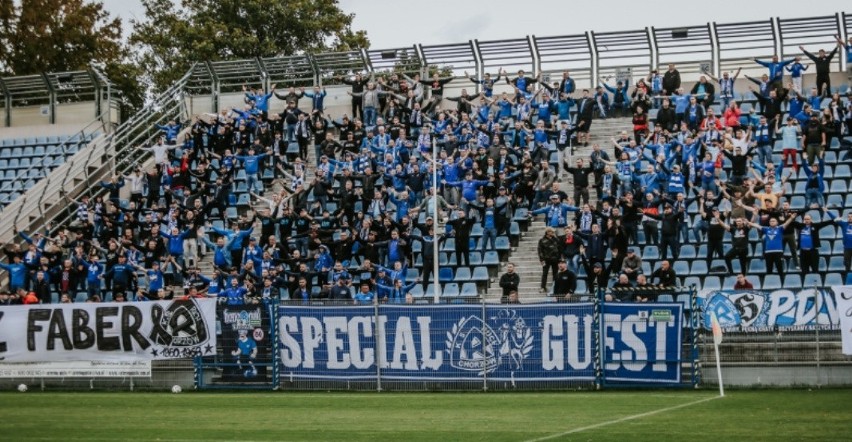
x,y
585,112
549,254
509,282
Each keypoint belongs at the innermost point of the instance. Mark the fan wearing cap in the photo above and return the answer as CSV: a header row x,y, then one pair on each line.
x,y
556,213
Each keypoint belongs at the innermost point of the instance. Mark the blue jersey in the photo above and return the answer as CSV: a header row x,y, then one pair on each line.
x,y
796,70
773,239
246,346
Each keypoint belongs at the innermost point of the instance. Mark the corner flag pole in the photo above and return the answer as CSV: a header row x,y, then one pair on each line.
x,y
717,339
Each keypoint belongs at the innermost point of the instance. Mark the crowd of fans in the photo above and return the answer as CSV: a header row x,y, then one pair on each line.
x,y
357,212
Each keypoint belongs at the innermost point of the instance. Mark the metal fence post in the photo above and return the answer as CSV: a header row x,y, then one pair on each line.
x,y
695,323
817,302
274,310
379,344
483,328
598,324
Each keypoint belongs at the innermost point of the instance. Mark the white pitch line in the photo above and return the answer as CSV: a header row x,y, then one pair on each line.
x,y
623,419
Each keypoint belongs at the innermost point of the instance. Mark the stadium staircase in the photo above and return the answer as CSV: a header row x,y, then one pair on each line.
x,y
525,255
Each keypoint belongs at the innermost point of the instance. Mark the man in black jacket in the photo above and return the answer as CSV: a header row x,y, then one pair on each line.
x,y
823,67
580,176
668,231
665,275
509,282
461,228
549,254
585,112
671,80
565,282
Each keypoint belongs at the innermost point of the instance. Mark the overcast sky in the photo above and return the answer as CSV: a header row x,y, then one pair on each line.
x,y
454,21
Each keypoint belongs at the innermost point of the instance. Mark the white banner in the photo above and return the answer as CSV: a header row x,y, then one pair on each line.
x,y
108,331
77,369
844,308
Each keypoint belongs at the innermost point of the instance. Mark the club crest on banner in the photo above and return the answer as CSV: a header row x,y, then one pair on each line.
x,y
473,345
181,324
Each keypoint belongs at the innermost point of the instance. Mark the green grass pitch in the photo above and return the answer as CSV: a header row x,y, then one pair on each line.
x,y
820,415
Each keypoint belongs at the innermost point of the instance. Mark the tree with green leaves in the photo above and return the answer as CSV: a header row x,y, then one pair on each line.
x,y
65,35
172,37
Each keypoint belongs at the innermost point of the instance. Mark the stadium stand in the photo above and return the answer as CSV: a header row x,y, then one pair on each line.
x,y
24,161
277,194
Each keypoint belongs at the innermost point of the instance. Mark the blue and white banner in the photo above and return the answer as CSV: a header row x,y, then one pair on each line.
x,y
767,310
546,342
642,342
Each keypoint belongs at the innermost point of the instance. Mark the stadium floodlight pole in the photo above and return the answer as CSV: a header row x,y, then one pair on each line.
x,y
435,222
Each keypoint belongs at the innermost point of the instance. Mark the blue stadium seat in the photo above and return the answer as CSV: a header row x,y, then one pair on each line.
x,y
650,253
581,286
681,267
772,282
476,230
491,259
463,274
417,291
475,258
838,187
712,283
449,245
445,274
757,266
699,268
665,298
410,275
812,280
692,281
832,280
687,251
469,290
830,157
842,171
686,301
835,264
480,274
450,290
793,281
502,243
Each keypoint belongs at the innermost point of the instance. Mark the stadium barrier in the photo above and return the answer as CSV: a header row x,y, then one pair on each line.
x,y
444,347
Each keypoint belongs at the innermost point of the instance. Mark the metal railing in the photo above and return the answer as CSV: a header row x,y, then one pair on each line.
x,y
715,46
113,153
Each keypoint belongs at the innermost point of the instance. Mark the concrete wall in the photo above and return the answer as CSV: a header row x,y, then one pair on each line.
x,y
778,376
